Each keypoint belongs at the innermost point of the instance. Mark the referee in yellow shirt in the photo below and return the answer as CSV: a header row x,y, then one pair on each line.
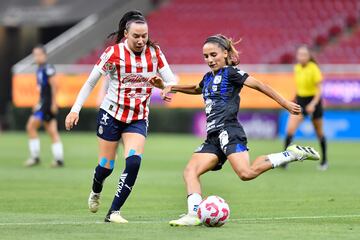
x,y
308,80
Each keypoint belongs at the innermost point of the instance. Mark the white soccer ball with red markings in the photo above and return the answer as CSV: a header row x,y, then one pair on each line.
x,y
213,211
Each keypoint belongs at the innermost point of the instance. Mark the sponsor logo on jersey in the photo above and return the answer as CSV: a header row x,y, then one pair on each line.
x,y
137,95
210,125
136,81
208,106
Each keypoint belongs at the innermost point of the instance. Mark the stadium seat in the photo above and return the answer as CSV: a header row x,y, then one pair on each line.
x,y
270,30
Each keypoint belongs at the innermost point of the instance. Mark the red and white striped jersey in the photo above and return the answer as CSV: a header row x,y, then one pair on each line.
x,y
128,95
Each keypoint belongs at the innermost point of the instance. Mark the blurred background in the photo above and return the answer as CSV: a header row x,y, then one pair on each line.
x,y
75,32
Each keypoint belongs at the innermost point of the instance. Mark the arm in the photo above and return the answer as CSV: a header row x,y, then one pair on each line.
x,y
187,89
53,94
310,108
73,117
293,108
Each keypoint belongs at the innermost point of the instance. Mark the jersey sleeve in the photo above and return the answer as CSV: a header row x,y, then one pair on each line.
x,y
201,83
317,74
50,70
105,64
164,69
237,76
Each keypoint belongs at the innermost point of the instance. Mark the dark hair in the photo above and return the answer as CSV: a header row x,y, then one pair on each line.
x,y
226,44
312,58
40,46
134,16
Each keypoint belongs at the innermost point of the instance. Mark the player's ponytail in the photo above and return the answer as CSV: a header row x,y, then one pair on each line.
x,y
228,44
124,24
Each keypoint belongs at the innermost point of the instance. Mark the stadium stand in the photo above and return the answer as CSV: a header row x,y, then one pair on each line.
x,y
270,30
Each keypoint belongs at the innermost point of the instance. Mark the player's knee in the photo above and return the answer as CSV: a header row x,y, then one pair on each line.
x,y
189,172
30,128
245,175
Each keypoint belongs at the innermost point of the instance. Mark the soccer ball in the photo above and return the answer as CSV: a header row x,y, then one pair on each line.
x,y
213,211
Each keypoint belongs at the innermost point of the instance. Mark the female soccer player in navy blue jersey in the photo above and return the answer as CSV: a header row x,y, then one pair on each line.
x,y
226,139
44,112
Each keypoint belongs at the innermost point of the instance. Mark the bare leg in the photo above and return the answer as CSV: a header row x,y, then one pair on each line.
x,y
241,165
32,127
52,129
199,164
57,147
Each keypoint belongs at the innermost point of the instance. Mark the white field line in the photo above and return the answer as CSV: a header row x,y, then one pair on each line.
x,y
165,221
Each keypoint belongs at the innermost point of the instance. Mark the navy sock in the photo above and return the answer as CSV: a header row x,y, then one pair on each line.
x,y
323,150
126,182
102,171
288,140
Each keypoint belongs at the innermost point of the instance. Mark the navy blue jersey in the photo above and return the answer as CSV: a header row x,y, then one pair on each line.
x,y
43,73
221,96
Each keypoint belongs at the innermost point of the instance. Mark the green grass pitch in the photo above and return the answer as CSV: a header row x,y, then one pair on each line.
x,y
301,203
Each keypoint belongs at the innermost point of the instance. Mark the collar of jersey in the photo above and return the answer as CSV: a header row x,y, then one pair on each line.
x,y
226,66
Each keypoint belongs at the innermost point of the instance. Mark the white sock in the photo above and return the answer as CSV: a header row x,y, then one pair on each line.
x,y
34,147
58,152
278,159
193,200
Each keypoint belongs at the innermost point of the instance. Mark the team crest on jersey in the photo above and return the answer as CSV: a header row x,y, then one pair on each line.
x,y
109,67
138,65
214,88
217,79
154,60
101,130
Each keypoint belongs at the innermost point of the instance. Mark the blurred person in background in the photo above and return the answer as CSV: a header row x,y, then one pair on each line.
x,y
308,79
44,113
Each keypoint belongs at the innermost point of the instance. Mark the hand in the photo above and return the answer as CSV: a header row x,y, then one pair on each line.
x,y
54,109
310,109
293,108
157,81
71,119
165,92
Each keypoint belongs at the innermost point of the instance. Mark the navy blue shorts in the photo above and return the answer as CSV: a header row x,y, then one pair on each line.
x,y
44,113
110,129
223,143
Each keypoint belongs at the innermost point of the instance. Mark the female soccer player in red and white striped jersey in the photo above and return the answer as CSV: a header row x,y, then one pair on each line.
x,y
131,66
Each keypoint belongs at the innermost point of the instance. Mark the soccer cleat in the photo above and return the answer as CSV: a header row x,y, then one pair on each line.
x,y
57,164
94,201
186,220
115,217
30,162
303,153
